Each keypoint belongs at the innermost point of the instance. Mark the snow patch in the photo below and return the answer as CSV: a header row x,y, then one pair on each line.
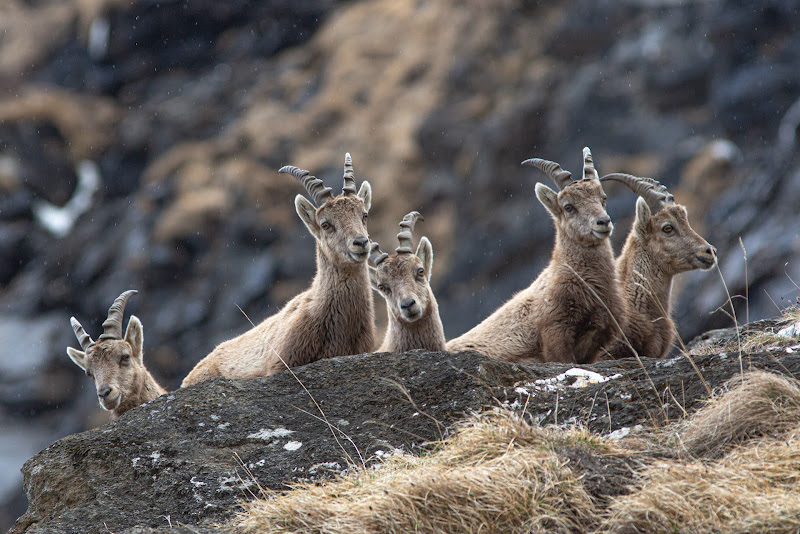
x,y
266,434
790,331
580,378
293,445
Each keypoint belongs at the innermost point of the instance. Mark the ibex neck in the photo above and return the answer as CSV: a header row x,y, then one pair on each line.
x,y
595,261
647,286
144,390
426,333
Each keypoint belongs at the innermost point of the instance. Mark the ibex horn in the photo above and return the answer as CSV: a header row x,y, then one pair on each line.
x,y
319,193
589,172
376,255
407,225
552,169
84,339
349,187
654,193
112,327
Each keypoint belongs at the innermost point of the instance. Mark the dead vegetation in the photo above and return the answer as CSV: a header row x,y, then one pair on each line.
x,y
736,469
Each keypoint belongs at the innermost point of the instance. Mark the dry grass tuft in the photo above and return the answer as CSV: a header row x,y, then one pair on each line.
x,y
496,474
753,489
757,404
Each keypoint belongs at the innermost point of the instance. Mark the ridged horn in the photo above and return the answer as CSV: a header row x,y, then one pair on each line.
x,y
376,255
552,169
405,235
84,339
654,193
349,187
112,326
589,172
319,193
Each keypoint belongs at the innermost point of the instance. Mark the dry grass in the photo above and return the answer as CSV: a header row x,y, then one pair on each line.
x,y
757,404
753,489
496,474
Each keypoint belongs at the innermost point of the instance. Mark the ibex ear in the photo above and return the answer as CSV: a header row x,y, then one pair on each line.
x,y
365,194
549,199
134,335
425,253
643,213
78,357
307,213
373,277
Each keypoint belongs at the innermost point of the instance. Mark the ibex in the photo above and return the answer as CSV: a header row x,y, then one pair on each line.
x,y
403,280
660,245
116,364
572,310
334,317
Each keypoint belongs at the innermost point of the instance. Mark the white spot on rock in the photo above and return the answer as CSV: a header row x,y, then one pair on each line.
x,y
790,331
266,434
293,445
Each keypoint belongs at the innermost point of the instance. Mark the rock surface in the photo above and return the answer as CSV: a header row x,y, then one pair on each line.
x,y
188,109
188,457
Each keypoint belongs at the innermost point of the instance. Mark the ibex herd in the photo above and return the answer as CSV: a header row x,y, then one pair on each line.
x,y
585,306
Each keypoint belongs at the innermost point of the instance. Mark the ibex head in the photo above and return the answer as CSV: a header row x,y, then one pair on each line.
x,y
338,223
113,362
579,207
662,227
403,278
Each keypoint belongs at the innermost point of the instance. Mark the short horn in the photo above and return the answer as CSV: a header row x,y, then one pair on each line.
x,y
83,338
112,327
589,172
552,169
654,193
349,187
376,255
405,235
319,193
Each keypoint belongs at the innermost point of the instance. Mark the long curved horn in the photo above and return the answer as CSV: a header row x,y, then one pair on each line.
x,y
319,193
407,225
589,172
552,169
376,255
112,327
652,191
349,187
84,339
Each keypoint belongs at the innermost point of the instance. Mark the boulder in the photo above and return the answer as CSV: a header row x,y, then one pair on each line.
x,y
188,457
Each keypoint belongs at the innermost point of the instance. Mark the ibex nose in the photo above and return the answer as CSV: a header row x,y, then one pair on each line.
x,y
103,391
711,250
605,220
407,303
360,241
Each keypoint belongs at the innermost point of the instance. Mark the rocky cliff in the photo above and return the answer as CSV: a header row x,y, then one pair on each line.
x,y
190,457
139,143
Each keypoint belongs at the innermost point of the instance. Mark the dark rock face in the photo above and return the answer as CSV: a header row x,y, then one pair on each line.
x,y
188,457
195,452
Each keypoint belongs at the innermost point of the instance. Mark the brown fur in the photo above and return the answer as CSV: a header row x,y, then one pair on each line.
x,y
117,368
649,260
562,315
334,317
401,278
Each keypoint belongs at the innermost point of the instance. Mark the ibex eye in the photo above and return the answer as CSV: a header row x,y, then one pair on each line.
x,y
569,208
420,272
326,225
125,357
382,288
89,374
366,217
667,229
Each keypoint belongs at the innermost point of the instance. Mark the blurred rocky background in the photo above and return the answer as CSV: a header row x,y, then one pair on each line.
x,y
140,139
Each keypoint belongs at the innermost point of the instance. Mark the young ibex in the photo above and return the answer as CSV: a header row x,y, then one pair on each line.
x,y
660,245
116,365
403,280
571,311
334,317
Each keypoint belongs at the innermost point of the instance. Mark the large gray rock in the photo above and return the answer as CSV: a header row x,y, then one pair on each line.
x,y
190,456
